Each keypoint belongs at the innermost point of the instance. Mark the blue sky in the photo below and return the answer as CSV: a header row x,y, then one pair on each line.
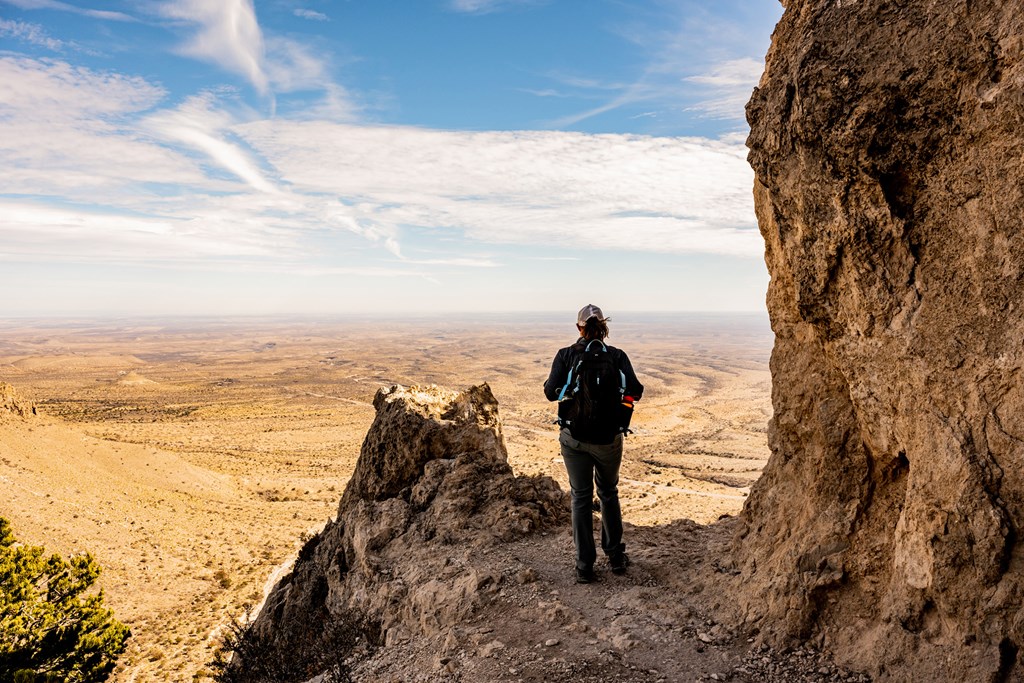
x,y
320,157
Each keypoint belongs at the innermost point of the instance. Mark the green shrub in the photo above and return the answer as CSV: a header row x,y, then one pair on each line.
x,y
49,630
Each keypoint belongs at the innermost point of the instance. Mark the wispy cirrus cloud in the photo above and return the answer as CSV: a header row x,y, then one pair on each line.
x,y
310,14
130,177
197,125
544,92
67,7
711,76
487,6
97,141
63,233
33,34
478,262
730,84
71,132
541,188
631,94
227,35
292,66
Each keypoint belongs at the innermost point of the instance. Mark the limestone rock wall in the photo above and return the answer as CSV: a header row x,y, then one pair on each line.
x,y
887,139
432,489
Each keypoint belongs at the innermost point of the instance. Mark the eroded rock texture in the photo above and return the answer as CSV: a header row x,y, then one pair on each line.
x,y
888,145
430,492
11,403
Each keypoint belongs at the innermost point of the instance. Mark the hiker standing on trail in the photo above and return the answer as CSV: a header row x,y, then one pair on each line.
x,y
595,386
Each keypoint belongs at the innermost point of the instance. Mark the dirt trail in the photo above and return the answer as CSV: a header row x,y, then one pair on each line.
x,y
650,625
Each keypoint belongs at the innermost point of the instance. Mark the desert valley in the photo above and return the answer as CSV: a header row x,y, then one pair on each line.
x,y
193,458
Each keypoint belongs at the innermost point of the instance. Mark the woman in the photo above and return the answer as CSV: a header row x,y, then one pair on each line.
x,y
591,436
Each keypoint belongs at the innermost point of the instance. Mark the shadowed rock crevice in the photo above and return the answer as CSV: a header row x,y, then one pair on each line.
x,y
885,139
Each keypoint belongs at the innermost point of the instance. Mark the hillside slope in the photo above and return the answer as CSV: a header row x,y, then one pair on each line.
x,y
160,527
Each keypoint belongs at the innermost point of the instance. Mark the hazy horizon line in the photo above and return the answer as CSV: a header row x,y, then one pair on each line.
x,y
388,315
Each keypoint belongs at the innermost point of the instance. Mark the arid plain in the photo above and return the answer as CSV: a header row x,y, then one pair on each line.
x,y
191,457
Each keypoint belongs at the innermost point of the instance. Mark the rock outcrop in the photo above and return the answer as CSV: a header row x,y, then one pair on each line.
x,y
886,142
432,490
11,403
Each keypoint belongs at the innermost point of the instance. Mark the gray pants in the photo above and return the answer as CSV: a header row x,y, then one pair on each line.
x,y
588,464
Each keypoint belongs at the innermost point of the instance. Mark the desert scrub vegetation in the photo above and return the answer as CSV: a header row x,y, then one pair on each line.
x,y
325,645
50,629
222,578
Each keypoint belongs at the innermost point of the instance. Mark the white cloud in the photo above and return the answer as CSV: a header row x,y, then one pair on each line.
x,y
33,34
66,7
731,83
130,179
485,6
311,14
637,92
69,132
734,73
198,126
544,188
228,36
97,140
56,90
470,5
44,232
694,61
458,262
544,92
292,66
334,105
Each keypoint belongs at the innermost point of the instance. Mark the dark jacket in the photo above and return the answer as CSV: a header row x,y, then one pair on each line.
x,y
564,360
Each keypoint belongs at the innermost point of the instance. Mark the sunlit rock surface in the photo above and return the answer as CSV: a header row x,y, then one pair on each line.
x,y
889,157
431,490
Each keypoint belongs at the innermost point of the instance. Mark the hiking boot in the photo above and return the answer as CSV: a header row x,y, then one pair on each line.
x,y
619,562
585,575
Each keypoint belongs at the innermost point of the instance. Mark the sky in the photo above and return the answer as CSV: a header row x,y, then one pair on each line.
x,y
334,157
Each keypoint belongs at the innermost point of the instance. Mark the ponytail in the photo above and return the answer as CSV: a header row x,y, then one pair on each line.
x,y
595,328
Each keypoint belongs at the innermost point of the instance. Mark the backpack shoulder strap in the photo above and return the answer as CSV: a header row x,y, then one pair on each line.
x,y
575,349
565,387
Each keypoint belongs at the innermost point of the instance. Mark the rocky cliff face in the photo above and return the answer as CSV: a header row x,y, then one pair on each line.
x,y
889,159
431,491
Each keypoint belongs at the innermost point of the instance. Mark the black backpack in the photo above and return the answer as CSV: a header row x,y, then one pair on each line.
x,y
591,402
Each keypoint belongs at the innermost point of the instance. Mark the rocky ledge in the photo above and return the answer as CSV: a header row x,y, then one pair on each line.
x,y
432,490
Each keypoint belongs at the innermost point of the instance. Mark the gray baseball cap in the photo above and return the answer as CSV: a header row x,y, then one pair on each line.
x,y
587,312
